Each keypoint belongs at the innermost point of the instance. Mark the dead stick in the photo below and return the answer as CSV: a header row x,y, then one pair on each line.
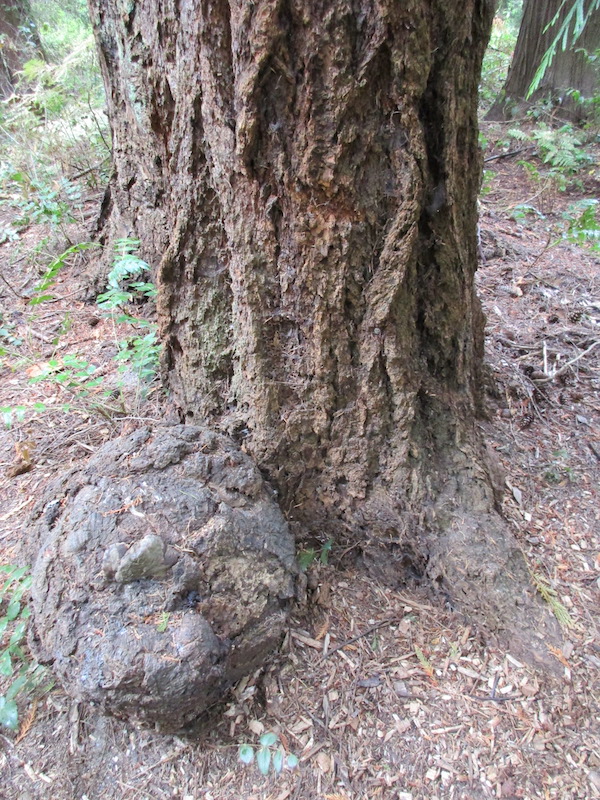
x,y
594,451
506,155
570,363
359,636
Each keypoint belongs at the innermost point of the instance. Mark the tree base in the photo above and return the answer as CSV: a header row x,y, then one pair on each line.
x,y
474,566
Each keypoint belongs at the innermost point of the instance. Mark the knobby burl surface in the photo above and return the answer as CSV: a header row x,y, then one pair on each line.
x,y
165,573
303,177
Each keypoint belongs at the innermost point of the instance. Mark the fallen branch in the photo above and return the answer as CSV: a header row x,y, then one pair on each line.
x,y
358,636
507,155
570,363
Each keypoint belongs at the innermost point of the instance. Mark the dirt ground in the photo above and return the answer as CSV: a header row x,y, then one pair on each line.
x,y
380,694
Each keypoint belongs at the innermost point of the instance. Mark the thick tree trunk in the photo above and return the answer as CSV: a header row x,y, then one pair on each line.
x,y
304,177
570,68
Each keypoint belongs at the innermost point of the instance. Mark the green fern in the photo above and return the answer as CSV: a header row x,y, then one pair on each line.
x,y
560,148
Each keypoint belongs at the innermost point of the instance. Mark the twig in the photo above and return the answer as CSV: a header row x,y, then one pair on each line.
x,y
594,451
358,636
570,363
16,294
89,169
506,155
41,336
160,762
490,699
492,695
539,256
509,343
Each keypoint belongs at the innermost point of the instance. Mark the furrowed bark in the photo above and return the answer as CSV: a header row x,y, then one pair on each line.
x,y
303,176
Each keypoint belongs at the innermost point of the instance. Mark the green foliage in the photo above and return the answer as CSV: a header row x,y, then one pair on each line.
x,y
71,371
487,181
55,267
560,148
126,265
53,132
16,664
523,210
35,201
497,58
163,622
567,34
270,754
141,354
61,24
550,596
138,353
582,225
510,12
12,414
309,555
424,661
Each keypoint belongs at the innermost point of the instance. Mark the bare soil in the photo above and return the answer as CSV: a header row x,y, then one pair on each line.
x,y
381,694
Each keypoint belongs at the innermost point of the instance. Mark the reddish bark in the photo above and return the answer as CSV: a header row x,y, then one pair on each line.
x,y
570,68
303,177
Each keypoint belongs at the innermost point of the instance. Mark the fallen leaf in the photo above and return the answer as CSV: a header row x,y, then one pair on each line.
x,y
256,726
324,761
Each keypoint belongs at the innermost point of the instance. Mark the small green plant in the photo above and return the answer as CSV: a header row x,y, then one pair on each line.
x,y
12,414
309,555
424,661
523,210
487,181
269,754
121,290
16,664
138,353
551,597
71,371
560,470
49,277
560,148
36,200
163,622
582,225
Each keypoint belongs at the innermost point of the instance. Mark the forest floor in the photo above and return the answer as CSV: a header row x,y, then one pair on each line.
x,y
381,694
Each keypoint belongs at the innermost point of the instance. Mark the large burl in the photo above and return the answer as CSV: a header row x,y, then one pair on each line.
x,y
165,574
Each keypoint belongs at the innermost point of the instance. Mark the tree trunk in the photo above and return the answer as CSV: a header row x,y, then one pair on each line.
x,y
570,68
304,177
18,42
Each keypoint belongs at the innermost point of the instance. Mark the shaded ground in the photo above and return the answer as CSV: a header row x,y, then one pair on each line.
x,y
380,694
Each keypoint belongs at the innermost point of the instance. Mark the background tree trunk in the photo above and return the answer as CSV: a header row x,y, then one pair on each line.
x,y
18,42
304,176
570,68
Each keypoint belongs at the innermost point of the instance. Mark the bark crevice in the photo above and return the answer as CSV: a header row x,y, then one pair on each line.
x,y
314,229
